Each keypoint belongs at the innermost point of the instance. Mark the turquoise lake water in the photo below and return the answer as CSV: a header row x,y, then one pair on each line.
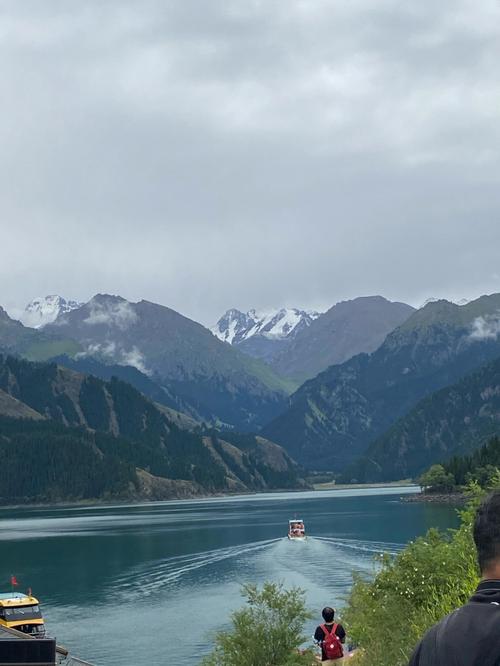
x,y
123,583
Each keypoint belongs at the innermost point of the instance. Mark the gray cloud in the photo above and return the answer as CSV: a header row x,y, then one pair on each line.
x,y
208,154
486,328
117,354
119,314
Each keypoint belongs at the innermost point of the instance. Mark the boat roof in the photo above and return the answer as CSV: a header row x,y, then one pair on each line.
x,y
16,597
296,520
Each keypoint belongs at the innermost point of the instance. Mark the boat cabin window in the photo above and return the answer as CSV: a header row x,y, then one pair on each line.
x,y
13,614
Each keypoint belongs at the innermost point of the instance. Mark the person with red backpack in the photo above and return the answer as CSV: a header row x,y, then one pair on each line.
x,y
330,636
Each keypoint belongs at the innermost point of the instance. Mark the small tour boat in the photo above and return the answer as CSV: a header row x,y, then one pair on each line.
x,y
296,530
21,612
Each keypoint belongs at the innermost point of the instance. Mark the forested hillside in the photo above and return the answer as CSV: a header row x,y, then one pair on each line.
x,y
482,465
115,422
46,461
452,421
333,418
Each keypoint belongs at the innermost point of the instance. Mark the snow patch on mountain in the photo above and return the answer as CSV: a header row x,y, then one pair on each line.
x,y
235,326
45,309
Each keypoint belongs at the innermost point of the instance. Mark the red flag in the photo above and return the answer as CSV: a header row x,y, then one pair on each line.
x,y
13,581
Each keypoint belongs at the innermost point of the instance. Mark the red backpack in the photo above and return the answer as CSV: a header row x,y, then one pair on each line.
x,y
332,647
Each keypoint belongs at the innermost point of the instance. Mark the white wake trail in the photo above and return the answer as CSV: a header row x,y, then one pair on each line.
x,y
169,571
375,547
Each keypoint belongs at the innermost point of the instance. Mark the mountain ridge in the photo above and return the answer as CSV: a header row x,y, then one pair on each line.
x,y
262,334
334,417
350,327
221,384
299,344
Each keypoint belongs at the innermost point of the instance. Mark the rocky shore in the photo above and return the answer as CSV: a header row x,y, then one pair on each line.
x,y
456,499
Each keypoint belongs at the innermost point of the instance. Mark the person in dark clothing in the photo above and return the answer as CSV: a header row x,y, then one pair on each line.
x,y
470,636
319,635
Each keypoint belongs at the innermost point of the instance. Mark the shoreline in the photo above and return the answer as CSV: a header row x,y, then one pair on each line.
x,y
136,501
454,499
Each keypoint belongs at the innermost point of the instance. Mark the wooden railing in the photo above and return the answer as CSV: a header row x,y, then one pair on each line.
x,y
63,656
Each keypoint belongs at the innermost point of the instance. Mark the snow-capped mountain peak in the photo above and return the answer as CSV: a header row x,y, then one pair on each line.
x,y
45,309
235,326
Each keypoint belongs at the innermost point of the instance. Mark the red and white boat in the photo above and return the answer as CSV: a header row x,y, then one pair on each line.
x,y
296,530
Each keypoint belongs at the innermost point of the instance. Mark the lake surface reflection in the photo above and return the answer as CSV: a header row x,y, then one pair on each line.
x,y
122,583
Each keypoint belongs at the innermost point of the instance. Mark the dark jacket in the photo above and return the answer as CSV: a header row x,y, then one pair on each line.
x,y
470,636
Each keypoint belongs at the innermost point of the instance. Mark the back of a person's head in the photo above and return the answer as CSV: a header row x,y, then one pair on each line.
x,y
328,614
487,531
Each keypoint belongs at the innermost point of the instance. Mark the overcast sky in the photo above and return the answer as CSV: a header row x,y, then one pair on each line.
x,y
243,153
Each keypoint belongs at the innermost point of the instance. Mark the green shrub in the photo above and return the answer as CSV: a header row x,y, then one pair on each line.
x,y
266,632
436,479
431,577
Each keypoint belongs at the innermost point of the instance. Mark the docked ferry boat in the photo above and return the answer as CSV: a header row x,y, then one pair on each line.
x,y
21,612
296,530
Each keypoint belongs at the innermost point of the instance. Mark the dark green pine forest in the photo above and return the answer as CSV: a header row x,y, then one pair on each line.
x,y
47,461
87,438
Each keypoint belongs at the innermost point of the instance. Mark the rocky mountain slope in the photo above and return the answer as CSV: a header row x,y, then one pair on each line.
x,y
179,359
299,344
346,329
262,335
334,417
13,408
452,421
156,392
124,425
214,381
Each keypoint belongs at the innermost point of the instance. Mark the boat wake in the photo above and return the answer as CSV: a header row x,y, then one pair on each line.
x,y
259,560
169,571
372,547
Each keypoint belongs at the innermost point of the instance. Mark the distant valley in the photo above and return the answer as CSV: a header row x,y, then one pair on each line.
x,y
123,445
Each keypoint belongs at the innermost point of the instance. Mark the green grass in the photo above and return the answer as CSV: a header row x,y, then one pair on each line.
x,y
47,349
268,377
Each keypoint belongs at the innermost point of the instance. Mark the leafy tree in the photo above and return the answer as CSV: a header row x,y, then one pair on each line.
x,y
267,632
437,479
484,476
481,466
